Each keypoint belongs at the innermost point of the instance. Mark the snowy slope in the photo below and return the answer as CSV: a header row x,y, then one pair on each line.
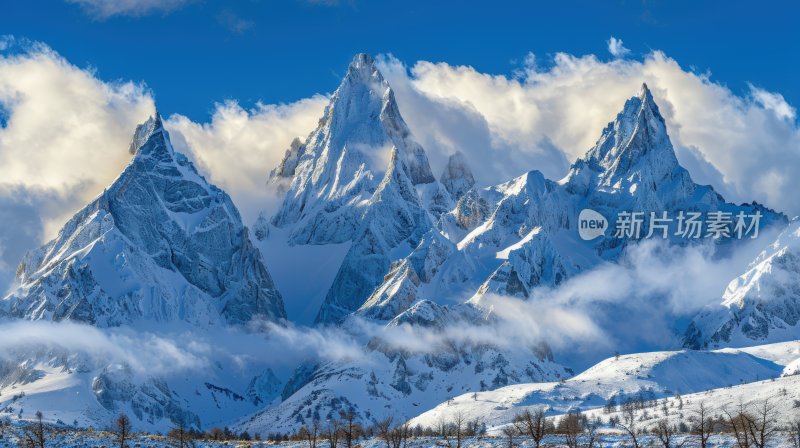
x,y
760,306
647,375
781,394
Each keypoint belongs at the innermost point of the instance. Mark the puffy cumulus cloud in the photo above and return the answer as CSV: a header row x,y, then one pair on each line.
x,y
64,136
238,147
616,48
103,9
444,120
746,146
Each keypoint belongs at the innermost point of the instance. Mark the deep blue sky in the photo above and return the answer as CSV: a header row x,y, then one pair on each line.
x,y
190,58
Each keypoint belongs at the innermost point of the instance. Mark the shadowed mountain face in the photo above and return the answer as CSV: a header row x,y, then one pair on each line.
x,y
160,243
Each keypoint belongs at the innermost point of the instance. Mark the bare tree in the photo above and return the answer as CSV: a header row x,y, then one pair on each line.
x,y
510,431
459,426
443,429
122,428
665,433
738,423
384,429
34,434
630,429
592,437
398,436
629,411
216,433
571,427
533,424
3,425
312,433
393,436
351,428
793,431
180,435
703,424
452,431
762,425
332,432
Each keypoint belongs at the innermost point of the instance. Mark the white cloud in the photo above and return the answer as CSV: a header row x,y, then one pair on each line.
x,y
774,102
143,352
63,138
239,147
616,48
104,9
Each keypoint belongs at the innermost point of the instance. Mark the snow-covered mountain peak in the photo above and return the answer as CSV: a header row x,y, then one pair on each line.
x,y
457,176
144,131
363,68
636,140
340,165
159,244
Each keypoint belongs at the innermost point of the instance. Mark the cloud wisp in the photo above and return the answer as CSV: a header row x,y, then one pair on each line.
x,y
616,48
105,9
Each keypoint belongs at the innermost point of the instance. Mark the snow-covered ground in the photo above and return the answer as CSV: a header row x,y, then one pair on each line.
x,y
655,375
609,439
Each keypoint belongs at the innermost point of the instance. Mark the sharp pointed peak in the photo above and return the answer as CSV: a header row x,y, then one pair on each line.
x,y
157,122
645,96
362,66
363,59
153,125
644,91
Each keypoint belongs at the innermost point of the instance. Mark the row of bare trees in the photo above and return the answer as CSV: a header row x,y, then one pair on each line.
x,y
345,431
757,425
754,426
751,426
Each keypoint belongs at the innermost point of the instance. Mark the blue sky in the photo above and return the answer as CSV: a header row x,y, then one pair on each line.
x,y
205,51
